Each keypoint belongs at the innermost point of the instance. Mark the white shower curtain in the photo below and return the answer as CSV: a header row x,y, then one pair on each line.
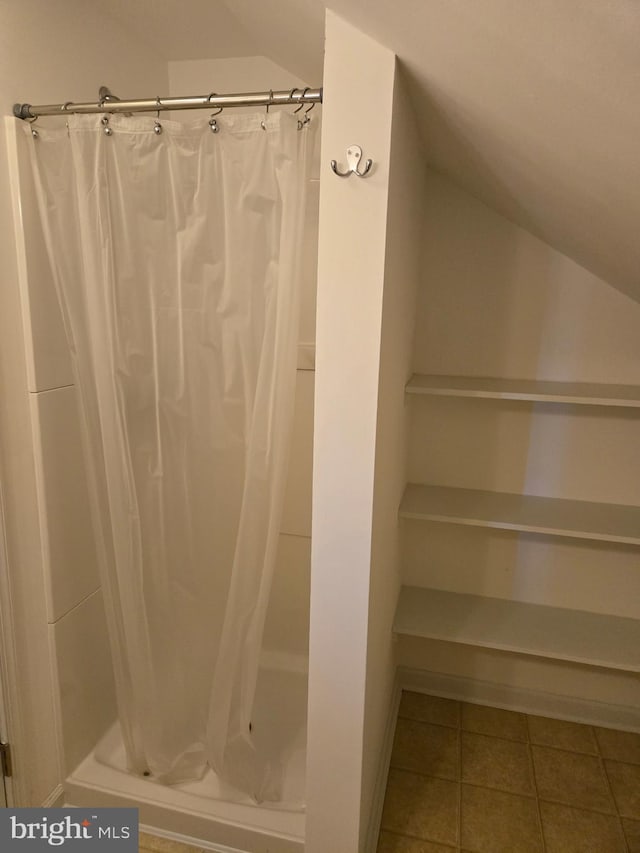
x,y
176,260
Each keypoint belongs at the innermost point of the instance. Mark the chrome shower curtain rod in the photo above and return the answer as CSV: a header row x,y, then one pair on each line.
x,y
108,103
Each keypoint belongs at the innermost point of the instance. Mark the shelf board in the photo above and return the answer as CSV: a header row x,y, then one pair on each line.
x,y
527,513
531,629
583,393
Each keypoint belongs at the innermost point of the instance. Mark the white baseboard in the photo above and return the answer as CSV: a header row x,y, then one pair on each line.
x,y
528,701
383,769
55,800
197,843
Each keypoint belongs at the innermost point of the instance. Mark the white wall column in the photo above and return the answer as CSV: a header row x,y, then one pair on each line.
x,y
358,84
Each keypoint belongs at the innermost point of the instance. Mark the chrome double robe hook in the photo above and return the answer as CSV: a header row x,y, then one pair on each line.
x,y
354,155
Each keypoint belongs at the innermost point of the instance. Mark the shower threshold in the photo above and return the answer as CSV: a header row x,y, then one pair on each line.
x,y
207,812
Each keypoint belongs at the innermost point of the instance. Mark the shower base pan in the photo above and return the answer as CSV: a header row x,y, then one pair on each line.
x,y
208,813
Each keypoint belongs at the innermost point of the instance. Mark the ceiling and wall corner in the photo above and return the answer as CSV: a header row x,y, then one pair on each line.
x,y
534,108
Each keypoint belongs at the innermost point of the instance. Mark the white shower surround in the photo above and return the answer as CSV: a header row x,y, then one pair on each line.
x,y
206,810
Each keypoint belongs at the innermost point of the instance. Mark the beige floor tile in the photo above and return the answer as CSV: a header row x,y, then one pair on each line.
x,y
625,784
424,748
496,822
495,763
154,844
569,830
494,722
571,778
620,746
389,842
421,806
430,709
632,834
563,735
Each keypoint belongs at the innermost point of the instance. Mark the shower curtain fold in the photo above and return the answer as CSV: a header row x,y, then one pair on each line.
x,y
176,260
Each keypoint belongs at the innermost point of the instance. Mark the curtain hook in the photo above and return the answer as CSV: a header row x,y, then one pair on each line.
x,y
65,108
307,118
301,123
262,124
157,128
213,124
105,124
304,92
32,121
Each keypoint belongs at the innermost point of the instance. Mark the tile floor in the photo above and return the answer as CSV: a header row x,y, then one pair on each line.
x,y
480,780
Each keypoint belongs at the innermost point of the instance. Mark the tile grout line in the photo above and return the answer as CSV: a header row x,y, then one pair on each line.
x,y
603,769
427,722
417,838
532,770
424,775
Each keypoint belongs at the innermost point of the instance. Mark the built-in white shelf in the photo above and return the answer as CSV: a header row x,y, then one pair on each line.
x,y
584,393
531,629
528,513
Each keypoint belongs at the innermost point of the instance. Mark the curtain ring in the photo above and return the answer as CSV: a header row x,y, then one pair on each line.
x,y
304,92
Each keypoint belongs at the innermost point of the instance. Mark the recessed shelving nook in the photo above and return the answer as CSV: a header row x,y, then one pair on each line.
x,y
536,630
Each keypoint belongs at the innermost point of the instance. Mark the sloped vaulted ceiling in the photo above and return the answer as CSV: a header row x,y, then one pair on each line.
x,y
531,105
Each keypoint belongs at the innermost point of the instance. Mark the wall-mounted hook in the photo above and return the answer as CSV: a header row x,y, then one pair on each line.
x,y
354,155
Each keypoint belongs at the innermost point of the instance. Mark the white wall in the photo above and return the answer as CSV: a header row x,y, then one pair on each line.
x,y
235,74
401,280
49,53
496,301
351,263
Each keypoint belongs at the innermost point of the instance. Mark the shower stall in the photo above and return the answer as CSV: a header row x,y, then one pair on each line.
x,y
177,254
